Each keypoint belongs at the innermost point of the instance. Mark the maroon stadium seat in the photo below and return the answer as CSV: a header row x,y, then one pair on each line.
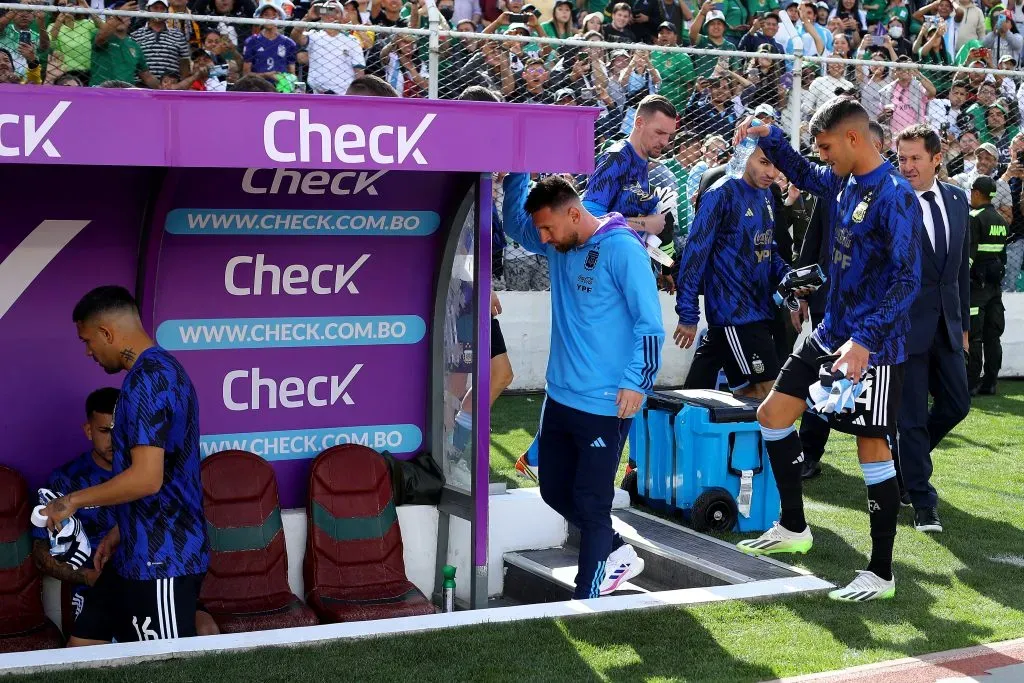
x,y
246,587
354,569
23,626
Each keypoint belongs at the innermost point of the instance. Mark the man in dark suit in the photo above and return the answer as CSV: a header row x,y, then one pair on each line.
x,y
939,323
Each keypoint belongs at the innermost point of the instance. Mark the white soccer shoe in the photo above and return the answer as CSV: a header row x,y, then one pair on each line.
x,y
778,539
622,565
867,586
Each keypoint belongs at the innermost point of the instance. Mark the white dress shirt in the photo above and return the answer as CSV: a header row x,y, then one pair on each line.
x,y
926,209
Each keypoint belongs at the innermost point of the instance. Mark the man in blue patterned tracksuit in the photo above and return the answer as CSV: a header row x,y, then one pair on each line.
x,y
875,274
606,338
731,250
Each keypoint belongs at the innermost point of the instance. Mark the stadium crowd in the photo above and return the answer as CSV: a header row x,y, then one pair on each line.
x,y
978,116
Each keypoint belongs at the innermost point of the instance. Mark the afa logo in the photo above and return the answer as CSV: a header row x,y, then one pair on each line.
x,y
757,364
591,259
643,195
281,51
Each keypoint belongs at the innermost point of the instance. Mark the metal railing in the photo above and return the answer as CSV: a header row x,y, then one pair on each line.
x,y
711,89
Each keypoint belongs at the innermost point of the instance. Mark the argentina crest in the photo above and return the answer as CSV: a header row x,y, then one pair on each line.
x,y
591,259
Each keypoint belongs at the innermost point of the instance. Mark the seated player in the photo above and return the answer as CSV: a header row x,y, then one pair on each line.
x,y
732,249
89,469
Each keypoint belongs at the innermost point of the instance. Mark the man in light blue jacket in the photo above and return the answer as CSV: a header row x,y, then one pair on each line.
x,y
606,338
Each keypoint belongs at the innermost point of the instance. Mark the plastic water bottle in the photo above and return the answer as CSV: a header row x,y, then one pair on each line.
x,y
448,589
738,164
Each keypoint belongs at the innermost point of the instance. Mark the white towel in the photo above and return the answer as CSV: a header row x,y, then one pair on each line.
x,y
829,395
68,544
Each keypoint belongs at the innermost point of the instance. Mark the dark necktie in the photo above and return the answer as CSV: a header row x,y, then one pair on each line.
x,y
939,227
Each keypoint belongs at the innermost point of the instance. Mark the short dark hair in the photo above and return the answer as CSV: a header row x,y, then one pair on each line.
x,y
656,103
252,83
552,192
101,401
105,299
837,110
478,93
876,130
371,86
924,132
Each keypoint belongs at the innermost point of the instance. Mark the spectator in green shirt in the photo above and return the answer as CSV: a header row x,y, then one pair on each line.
x,y
12,25
762,6
115,56
72,37
715,39
736,14
676,68
560,25
688,150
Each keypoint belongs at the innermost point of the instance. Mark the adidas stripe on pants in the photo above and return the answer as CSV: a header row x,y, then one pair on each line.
x,y
579,455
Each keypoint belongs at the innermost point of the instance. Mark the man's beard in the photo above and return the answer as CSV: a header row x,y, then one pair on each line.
x,y
569,246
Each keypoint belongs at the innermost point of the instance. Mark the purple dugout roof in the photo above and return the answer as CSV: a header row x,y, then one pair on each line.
x,y
87,126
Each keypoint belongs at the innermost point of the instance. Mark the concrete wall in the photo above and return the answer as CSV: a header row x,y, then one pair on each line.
x,y
526,324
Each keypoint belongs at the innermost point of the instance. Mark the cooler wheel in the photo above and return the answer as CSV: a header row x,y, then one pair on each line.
x,y
714,511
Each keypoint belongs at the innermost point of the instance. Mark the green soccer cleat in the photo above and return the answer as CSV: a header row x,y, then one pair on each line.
x,y
867,586
778,539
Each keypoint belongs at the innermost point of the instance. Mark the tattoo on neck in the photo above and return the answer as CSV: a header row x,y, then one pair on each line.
x,y
128,355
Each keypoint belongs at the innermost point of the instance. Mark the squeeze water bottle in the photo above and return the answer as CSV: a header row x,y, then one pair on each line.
x,y
738,164
448,589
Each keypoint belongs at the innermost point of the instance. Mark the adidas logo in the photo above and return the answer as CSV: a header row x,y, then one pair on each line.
x,y
750,212
859,421
799,459
598,443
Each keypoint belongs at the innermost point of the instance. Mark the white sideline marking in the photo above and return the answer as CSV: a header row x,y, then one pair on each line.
x,y
130,653
27,261
1012,560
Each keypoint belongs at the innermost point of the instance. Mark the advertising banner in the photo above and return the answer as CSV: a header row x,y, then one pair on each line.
x,y
71,229
45,125
301,313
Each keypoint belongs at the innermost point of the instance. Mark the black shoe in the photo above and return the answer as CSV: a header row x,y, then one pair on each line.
x,y
905,499
810,469
927,519
973,391
987,391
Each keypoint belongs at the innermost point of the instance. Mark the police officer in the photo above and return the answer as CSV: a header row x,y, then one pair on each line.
x,y
988,263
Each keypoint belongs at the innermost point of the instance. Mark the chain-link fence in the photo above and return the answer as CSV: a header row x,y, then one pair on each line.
x,y
935,73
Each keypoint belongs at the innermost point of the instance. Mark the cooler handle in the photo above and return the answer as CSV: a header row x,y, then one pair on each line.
x,y
760,455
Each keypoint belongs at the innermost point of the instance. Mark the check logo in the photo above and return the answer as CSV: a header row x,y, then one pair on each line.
x,y
23,265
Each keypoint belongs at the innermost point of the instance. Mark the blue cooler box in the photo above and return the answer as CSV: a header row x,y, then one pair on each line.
x,y
697,451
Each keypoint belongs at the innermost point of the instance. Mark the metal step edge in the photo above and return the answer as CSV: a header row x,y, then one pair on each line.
x,y
675,555
545,572
725,544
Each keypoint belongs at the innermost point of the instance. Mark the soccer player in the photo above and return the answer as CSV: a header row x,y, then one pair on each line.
x,y
91,468
732,249
875,273
620,184
606,337
158,551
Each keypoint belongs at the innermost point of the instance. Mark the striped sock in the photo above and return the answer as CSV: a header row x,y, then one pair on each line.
x,y
883,511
